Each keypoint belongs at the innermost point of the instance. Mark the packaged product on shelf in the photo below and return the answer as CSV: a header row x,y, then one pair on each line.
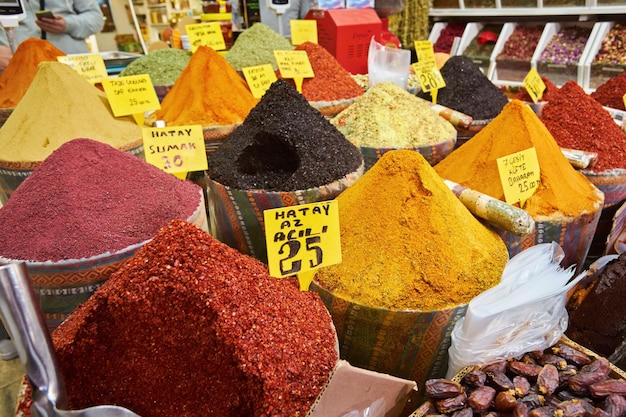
x,y
412,258
482,45
513,61
80,215
566,206
450,31
409,122
20,72
59,106
610,56
560,58
284,153
256,46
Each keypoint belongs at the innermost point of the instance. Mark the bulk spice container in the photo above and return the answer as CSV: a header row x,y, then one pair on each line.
x,y
80,215
284,153
388,117
566,206
66,107
514,51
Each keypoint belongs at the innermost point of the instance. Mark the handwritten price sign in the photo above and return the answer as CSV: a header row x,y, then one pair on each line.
x,y
175,149
133,94
302,238
90,66
519,175
206,34
259,78
303,31
534,85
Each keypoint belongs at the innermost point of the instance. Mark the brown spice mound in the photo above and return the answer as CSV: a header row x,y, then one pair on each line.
x,y
191,327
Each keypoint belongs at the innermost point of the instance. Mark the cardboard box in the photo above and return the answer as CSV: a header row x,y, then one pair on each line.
x,y
346,34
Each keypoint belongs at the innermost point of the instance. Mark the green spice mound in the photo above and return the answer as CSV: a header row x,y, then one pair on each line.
x,y
256,46
284,144
408,243
389,117
163,65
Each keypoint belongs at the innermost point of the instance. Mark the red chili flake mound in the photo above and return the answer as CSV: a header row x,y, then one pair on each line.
x,y
550,90
332,81
577,121
191,327
611,93
88,198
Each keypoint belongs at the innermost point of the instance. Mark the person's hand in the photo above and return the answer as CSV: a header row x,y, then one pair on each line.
x,y
5,57
55,24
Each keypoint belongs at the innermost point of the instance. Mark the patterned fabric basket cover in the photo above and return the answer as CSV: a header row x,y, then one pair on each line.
x,y
432,153
463,135
409,344
236,216
612,183
63,285
12,174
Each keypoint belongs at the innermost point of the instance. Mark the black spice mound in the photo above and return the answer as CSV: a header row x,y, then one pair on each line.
x,y
284,144
468,90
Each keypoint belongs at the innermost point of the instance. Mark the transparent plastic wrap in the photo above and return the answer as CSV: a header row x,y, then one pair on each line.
x,y
525,312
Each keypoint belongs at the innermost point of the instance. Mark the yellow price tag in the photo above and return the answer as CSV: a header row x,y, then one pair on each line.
x,y
259,78
90,66
424,51
534,85
302,238
294,64
519,175
206,34
430,78
133,94
176,149
302,31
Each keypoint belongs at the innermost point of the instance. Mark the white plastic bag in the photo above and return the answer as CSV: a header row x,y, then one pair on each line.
x,y
524,312
388,64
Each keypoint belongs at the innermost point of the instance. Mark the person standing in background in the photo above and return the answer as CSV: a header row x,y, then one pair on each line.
x,y
297,10
71,23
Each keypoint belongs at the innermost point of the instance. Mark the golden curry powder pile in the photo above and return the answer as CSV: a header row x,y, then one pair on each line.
x,y
408,242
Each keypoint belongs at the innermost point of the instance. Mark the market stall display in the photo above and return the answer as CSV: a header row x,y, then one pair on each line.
x,y
80,215
560,58
408,268
256,46
611,93
566,206
388,117
66,107
284,153
513,58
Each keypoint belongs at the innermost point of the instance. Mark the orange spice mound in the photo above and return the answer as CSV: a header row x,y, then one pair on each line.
x,y
20,72
208,92
332,81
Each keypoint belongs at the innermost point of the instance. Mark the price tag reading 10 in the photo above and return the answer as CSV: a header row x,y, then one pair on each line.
x,y
301,238
519,175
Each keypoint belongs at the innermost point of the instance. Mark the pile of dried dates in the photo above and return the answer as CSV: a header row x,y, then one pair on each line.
x,y
561,381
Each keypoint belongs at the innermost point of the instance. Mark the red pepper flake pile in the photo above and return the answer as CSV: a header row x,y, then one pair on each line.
x,y
611,93
577,121
191,327
331,82
88,198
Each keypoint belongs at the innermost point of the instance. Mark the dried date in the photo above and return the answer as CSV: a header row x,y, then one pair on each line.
x,y
572,408
449,405
505,401
615,405
475,378
521,386
545,411
499,380
552,359
440,388
548,379
481,398
596,371
520,410
608,387
570,354
525,369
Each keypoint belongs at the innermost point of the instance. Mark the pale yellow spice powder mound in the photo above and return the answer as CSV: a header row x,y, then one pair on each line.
x,y
408,243
387,116
59,106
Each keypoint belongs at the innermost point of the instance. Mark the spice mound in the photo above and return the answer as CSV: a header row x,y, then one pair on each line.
x,y
577,121
408,243
283,145
599,321
331,82
88,198
256,46
390,117
611,92
22,68
468,90
208,92
218,335
562,190
59,106
164,66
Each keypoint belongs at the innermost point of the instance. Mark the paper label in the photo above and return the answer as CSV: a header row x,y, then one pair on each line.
x,y
519,175
90,66
175,149
424,51
301,238
294,64
131,95
206,34
534,85
303,31
259,78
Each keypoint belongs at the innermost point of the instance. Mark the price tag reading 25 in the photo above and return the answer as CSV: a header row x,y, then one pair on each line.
x,y
519,175
301,238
